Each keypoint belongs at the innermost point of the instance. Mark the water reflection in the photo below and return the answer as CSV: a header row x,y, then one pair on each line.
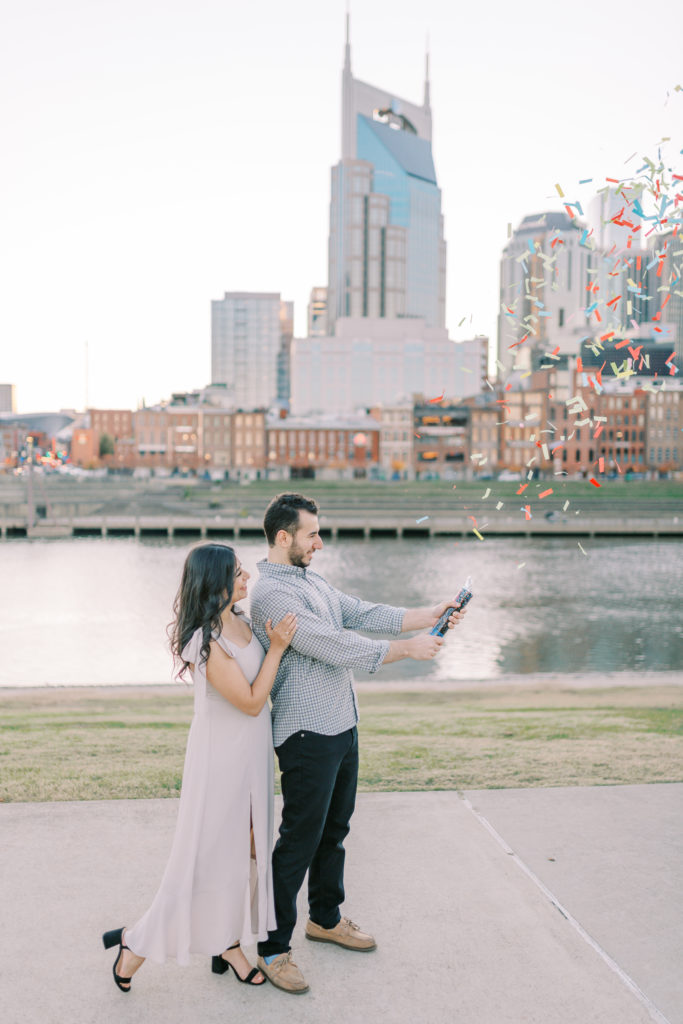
x,y
93,610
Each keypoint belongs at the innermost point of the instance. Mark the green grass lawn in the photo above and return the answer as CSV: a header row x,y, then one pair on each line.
x,y
100,744
618,489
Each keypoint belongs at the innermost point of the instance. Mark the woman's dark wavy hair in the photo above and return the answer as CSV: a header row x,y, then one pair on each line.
x,y
205,591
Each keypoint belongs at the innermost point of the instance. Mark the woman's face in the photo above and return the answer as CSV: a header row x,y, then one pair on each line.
x,y
240,589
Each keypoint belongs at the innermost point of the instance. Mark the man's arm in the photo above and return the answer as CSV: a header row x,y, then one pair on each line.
x,y
384,618
422,647
369,617
317,638
425,618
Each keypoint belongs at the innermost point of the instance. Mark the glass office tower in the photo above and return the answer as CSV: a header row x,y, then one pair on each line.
x,y
387,254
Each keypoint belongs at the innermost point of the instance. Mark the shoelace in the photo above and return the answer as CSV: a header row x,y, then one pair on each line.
x,y
287,959
351,924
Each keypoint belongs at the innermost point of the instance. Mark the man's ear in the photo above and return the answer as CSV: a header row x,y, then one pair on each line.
x,y
283,538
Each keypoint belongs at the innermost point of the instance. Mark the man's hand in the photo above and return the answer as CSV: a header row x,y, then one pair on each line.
x,y
438,610
423,647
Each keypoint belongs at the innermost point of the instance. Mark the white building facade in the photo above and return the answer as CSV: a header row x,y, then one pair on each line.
x,y
371,362
246,338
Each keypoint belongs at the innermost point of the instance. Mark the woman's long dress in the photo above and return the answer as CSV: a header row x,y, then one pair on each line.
x,y
212,893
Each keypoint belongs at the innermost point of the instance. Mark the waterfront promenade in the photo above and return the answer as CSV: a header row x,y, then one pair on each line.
x,y
125,506
542,906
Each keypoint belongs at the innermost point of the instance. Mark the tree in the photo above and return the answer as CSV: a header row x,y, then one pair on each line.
x,y
106,444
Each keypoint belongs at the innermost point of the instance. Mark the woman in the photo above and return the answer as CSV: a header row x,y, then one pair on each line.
x,y
217,887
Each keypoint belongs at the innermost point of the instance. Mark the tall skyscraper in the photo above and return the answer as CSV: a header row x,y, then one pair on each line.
x,y
317,313
246,338
543,274
7,399
666,266
387,254
284,354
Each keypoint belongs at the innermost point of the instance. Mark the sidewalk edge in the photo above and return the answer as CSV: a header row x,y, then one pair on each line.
x,y
656,1014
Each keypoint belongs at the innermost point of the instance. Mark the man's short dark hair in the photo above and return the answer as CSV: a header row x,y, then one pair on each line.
x,y
283,514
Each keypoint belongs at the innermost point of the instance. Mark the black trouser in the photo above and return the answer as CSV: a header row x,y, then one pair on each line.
x,y
319,778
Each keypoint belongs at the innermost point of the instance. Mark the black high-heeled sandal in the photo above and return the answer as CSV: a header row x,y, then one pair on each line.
x,y
220,966
111,939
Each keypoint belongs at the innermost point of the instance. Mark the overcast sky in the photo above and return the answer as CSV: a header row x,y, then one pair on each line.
x,y
157,154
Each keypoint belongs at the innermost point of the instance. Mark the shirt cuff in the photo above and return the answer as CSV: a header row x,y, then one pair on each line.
x,y
397,623
382,651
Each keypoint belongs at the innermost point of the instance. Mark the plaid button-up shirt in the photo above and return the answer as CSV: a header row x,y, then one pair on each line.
x,y
313,688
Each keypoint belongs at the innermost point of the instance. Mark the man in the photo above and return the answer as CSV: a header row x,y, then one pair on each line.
x,y
314,724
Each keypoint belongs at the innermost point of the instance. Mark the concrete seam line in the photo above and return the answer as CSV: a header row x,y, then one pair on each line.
x,y
654,1012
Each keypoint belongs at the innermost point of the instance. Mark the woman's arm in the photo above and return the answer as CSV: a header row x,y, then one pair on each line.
x,y
225,675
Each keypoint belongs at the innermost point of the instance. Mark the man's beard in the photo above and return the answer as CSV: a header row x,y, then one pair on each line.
x,y
296,556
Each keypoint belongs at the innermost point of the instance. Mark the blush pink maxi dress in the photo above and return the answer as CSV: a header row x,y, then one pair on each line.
x,y
212,892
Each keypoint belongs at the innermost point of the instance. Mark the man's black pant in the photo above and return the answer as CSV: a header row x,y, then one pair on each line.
x,y
319,779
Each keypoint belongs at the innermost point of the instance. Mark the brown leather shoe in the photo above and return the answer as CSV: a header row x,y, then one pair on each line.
x,y
346,934
284,973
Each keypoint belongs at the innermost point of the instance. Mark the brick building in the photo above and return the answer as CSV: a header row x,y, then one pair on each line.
x,y
664,429
329,447
441,438
396,436
524,438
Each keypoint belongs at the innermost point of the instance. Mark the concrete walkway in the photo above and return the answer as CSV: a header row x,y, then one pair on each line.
x,y
462,893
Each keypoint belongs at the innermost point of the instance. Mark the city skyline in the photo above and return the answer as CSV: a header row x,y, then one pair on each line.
x,y
140,182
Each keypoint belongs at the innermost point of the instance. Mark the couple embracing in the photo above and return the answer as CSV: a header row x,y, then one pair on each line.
x,y
221,886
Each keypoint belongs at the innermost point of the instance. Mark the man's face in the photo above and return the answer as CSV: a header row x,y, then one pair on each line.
x,y
306,541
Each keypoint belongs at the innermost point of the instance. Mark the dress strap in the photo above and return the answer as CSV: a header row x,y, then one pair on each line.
x,y
224,644
192,649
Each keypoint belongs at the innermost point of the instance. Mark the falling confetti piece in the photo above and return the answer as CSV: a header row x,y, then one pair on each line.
x,y
488,491
559,191
521,565
474,530
565,506
422,520
544,494
594,482
579,543
522,488
499,505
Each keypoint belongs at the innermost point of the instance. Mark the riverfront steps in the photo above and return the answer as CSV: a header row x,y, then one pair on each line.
x,y
349,526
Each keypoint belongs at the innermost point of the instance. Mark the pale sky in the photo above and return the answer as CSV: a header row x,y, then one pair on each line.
x,y
157,153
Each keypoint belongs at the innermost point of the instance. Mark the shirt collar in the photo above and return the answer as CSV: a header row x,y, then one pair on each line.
x,y
278,571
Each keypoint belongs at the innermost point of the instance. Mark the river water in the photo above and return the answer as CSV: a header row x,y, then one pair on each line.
x,y
94,611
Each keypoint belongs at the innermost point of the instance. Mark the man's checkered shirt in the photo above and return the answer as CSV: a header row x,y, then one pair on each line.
x,y
313,689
